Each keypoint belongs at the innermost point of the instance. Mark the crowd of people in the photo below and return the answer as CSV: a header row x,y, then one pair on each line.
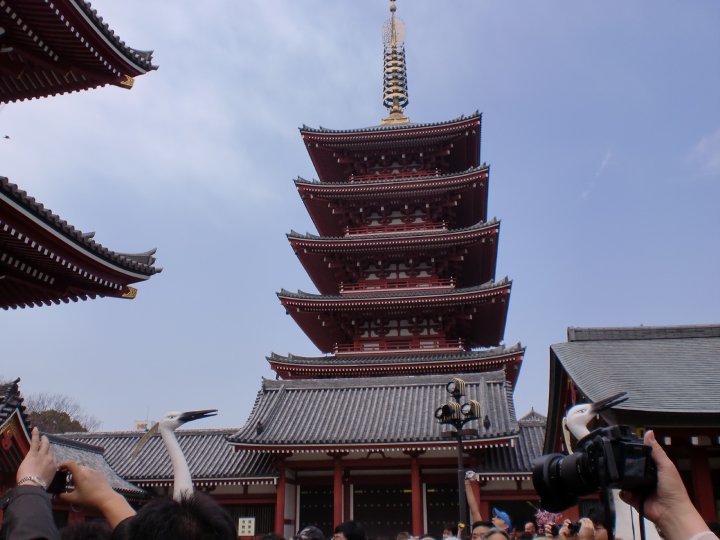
x,y
27,511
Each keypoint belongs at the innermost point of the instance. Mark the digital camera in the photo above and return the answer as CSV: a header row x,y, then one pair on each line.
x,y
608,457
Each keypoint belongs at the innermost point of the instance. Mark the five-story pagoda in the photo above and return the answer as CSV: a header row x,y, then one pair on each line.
x,y
404,264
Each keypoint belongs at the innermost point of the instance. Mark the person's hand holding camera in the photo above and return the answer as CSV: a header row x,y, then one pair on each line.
x,y
669,506
587,529
92,490
39,467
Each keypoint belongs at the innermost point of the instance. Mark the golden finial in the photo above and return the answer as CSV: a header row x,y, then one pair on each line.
x,y
395,91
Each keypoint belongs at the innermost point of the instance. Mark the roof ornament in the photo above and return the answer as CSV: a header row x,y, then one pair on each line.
x,y
395,90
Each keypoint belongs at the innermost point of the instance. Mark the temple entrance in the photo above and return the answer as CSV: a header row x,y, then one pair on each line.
x,y
442,503
316,508
383,511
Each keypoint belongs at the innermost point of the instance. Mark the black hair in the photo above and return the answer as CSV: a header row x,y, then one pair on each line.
x,y
351,529
272,536
88,530
197,517
452,527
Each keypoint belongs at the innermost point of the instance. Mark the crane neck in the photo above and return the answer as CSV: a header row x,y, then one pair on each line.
x,y
182,485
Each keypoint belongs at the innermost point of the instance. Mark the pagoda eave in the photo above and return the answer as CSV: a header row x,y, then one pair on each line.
x,y
399,446
333,367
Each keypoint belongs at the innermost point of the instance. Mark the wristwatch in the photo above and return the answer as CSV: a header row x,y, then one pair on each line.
x,y
36,480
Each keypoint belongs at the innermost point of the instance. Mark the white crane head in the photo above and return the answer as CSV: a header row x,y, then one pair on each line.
x,y
578,417
170,422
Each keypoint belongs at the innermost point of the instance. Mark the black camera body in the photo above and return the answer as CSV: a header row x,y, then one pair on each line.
x,y
608,457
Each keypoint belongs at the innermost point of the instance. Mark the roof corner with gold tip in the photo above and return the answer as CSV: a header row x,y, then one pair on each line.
x,y
45,260
49,48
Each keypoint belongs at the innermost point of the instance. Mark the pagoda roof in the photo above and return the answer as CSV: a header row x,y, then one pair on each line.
x,y
461,120
413,297
61,46
321,317
11,401
383,413
300,367
45,259
211,460
517,462
385,239
333,152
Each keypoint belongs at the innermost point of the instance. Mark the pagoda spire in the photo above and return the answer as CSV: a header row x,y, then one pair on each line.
x,y
395,90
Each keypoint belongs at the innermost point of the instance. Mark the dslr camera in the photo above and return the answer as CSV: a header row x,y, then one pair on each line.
x,y
608,457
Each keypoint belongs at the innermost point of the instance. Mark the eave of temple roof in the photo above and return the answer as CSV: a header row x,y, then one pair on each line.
x,y
211,460
393,364
677,366
66,449
388,413
516,462
11,400
490,288
63,46
393,359
137,265
421,237
385,129
375,187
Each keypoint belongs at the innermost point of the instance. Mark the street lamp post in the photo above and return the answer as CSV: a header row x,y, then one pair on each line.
x,y
458,414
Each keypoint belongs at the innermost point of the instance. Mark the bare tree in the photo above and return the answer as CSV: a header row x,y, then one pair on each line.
x,y
58,413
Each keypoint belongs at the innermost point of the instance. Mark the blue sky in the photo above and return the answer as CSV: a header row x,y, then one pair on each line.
x,y
601,125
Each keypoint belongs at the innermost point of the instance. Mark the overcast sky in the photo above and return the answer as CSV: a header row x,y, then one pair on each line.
x,y
601,123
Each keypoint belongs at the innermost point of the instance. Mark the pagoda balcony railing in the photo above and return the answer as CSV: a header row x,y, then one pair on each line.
x,y
378,285
396,227
413,345
401,174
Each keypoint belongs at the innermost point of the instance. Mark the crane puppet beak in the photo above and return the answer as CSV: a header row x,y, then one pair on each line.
x,y
189,416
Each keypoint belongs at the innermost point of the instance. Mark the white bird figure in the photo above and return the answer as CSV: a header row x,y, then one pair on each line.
x,y
578,417
182,485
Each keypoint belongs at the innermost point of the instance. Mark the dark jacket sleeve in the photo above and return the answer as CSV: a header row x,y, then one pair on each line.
x,y
28,515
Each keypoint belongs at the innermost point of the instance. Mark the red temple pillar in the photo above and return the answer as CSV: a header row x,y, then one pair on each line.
x,y
417,498
280,501
702,483
337,491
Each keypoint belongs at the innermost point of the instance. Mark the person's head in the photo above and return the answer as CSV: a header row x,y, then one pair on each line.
x,y
480,528
349,530
449,529
404,535
530,528
309,533
496,534
89,530
501,520
272,536
599,523
197,517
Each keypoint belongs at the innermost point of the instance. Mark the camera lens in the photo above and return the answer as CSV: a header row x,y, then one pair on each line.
x,y
560,479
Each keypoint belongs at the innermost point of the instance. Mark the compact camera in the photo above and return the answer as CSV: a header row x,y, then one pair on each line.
x,y
608,457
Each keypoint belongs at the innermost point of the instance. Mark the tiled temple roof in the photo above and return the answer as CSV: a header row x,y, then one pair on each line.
x,y
517,461
395,359
389,413
672,369
140,263
211,460
66,449
393,127
392,295
10,400
399,235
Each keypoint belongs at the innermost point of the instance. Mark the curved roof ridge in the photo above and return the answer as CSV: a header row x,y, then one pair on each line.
x,y
129,261
492,284
469,171
397,234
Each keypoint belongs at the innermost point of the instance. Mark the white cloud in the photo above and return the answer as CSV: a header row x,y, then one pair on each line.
x,y
706,154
